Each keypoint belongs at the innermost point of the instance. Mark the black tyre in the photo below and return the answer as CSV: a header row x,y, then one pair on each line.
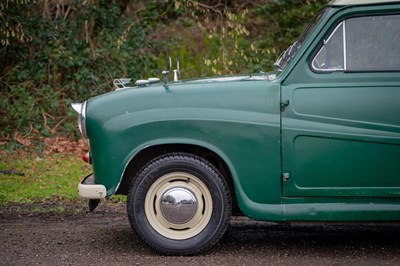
x,y
179,204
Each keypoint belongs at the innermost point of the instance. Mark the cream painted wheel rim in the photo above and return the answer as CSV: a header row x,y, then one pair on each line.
x,y
200,216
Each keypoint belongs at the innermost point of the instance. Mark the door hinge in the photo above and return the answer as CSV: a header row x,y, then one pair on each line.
x,y
284,105
285,177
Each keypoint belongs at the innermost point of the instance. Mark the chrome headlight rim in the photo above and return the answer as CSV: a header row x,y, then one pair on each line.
x,y
82,120
80,108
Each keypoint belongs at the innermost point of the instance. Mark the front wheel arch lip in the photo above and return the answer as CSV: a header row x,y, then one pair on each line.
x,y
175,141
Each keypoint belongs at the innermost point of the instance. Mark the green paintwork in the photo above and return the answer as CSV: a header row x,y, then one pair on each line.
x,y
204,115
337,139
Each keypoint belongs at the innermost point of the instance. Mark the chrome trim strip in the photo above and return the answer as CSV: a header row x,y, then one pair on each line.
x,y
344,46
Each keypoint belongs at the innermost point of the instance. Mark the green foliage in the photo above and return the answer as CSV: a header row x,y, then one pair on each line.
x,y
74,51
11,28
55,52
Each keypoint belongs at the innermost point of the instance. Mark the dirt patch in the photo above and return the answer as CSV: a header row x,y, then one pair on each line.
x,y
44,210
104,237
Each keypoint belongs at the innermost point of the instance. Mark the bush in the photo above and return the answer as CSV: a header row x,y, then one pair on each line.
x,y
55,52
72,52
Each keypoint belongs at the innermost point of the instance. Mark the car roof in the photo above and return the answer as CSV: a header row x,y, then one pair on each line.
x,y
359,2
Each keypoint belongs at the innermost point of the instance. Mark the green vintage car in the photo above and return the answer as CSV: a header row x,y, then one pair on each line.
x,y
316,140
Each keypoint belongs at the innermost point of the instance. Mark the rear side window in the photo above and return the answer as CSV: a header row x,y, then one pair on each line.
x,y
361,44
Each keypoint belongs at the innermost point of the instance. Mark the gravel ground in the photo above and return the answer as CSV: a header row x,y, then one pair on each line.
x,y
104,237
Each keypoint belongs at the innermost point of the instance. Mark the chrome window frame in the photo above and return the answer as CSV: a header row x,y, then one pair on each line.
x,y
344,68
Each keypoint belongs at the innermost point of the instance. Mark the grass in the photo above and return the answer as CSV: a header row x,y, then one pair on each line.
x,y
49,184
52,178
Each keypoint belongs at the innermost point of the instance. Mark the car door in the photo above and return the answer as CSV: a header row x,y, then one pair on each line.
x,y
341,128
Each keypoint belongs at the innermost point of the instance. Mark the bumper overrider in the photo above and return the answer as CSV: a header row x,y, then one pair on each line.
x,y
88,189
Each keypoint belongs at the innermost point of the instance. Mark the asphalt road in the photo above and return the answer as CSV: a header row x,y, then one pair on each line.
x,y
104,237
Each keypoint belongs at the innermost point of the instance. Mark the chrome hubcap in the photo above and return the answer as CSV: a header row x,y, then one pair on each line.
x,y
178,205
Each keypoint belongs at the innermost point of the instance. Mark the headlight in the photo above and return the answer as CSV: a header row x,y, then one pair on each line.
x,y
80,108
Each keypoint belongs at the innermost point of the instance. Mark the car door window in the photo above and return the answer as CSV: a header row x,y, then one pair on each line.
x,y
370,43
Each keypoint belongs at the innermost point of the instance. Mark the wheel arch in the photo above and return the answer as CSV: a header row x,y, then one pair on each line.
x,y
145,155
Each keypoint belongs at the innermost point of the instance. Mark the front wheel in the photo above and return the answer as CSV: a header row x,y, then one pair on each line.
x,y
179,204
